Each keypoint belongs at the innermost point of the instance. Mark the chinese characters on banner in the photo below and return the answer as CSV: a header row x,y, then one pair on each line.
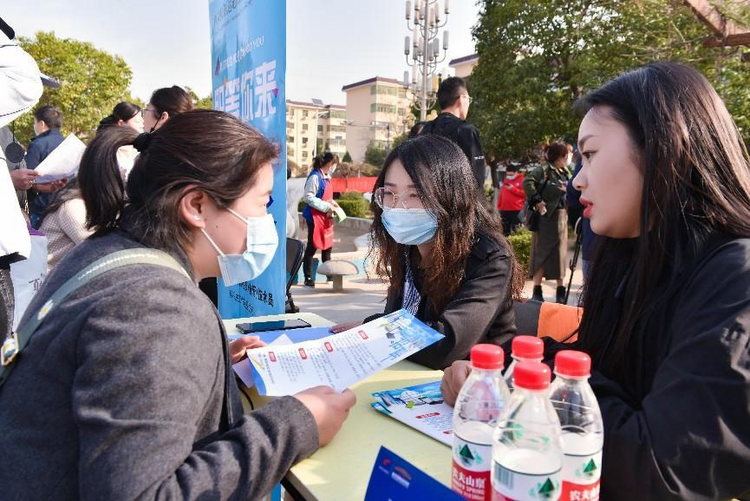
x,y
248,50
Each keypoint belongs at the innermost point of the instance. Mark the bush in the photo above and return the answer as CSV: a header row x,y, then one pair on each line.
x,y
354,206
520,240
352,195
301,206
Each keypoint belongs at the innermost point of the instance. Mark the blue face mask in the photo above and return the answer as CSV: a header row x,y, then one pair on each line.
x,y
410,226
262,242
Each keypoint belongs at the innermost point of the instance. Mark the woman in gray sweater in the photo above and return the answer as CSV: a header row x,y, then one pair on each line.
x,y
125,391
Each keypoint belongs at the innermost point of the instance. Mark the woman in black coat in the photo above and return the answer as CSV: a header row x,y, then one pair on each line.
x,y
666,185
441,248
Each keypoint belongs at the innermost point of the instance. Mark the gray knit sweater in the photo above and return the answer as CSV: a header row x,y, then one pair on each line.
x,y
119,396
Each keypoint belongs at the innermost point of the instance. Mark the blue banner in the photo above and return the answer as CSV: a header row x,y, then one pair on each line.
x,y
248,50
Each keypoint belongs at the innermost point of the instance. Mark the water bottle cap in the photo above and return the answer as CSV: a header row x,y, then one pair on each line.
x,y
487,357
572,363
531,375
527,347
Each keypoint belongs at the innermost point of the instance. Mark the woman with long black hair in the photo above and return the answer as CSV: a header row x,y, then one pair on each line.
x,y
440,247
666,185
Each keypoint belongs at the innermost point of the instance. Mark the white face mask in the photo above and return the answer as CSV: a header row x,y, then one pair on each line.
x,y
262,242
511,175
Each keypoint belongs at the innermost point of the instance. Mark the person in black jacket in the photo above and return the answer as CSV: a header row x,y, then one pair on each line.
x,y
441,248
454,101
666,184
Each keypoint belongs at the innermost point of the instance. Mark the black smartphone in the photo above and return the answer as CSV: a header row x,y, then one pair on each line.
x,y
273,325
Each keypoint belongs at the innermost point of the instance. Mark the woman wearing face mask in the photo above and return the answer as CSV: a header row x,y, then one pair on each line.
x,y
135,363
545,188
442,250
318,213
510,201
165,104
666,185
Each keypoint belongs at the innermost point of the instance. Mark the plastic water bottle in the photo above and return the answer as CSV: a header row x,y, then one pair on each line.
x,y
523,348
478,406
527,445
582,426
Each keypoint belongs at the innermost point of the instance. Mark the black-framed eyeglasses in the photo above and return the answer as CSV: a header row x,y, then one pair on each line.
x,y
144,110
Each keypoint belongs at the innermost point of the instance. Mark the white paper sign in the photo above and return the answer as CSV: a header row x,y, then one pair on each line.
x,y
62,162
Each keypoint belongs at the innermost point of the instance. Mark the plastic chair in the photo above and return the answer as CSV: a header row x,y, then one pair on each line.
x,y
295,250
554,320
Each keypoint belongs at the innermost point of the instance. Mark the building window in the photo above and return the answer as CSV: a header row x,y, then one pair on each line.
x,y
320,128
338,114
290,139
304,113
304,140
304,126
373,90
382,108
304,154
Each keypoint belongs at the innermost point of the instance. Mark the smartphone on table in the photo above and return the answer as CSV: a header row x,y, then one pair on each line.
x,y
272,325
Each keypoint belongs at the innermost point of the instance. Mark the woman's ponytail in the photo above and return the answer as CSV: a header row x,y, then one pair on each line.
x,y
100,179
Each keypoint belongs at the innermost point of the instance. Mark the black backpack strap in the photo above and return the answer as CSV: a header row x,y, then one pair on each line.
x,y
16,342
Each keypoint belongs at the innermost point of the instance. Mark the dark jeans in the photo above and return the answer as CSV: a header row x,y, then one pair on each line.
x,y
310,252
7,303
510,221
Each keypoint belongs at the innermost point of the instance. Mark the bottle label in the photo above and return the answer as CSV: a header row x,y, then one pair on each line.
x,y
581,477
472,463
509,485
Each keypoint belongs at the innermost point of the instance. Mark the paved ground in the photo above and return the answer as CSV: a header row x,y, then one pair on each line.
x,y
363,296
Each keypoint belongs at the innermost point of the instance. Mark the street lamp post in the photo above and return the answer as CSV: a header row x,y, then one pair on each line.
x,y
425,22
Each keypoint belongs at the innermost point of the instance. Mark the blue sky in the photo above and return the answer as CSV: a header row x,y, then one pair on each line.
x,y
331,43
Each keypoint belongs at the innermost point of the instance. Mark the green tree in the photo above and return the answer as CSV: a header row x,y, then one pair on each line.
x,y
536,57
200,102
347,158
399,139
374,155
93,81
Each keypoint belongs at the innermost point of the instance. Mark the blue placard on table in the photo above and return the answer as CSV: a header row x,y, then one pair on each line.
x,y
248,51
395,479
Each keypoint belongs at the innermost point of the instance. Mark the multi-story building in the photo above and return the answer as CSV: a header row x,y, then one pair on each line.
x,y
311,128
377,110
463,66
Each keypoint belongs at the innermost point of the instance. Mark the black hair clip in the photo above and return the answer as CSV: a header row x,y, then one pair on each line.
x,y
142,142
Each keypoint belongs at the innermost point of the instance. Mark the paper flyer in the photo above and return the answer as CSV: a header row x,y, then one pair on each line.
x,y
421,407
339,360
62,162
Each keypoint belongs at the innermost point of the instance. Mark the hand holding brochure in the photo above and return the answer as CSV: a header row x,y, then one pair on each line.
x,y
339,360
62,162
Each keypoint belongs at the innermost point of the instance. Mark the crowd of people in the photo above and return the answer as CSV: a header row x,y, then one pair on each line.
x,y
124,387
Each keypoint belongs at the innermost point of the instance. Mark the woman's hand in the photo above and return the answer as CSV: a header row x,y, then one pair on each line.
x,y
238,346
344,327
50,187
454,378
329,408
541,207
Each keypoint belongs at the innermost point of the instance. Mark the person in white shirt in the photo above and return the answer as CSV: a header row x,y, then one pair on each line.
x,y
20,89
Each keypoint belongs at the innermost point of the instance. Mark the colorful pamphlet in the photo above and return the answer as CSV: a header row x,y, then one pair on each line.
x,y
421,407
339,360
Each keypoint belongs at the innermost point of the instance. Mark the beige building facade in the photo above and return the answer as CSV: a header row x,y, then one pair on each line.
x,y
463,66
377,111
311,128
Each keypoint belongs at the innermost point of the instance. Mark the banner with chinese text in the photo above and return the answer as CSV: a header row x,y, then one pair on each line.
x,y
248,50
